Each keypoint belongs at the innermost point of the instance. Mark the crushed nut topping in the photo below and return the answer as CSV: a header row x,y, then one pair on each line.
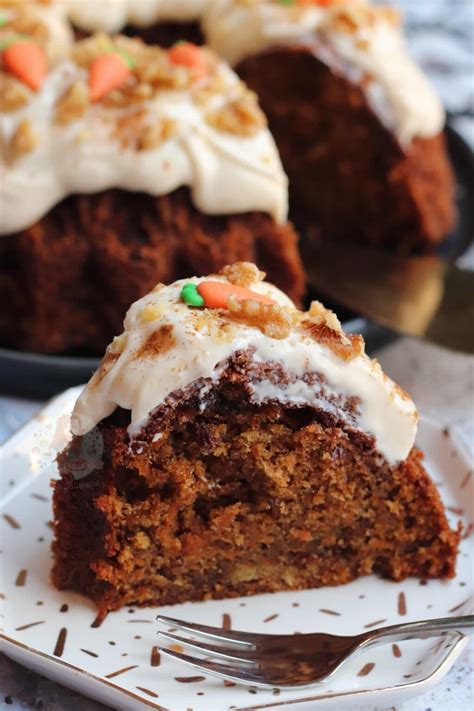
x,y
241,116
348,18
242,274
73,103
150,71
346,347
153,135
85,51
273,320
319,314
118,344
13,93
152,68
325,328
127,128
23,22
22,142
152,312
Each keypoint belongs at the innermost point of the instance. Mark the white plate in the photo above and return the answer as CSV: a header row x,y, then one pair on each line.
x,y
52,632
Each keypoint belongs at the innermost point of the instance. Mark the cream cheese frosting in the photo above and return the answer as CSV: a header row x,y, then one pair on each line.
x,y
355,38
196,343
113,15
208,135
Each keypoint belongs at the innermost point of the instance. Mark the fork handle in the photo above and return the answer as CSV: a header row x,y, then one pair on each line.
x,y
418,630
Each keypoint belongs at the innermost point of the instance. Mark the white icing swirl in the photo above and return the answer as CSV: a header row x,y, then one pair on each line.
x,y
200,347
226,172
371,53
113,15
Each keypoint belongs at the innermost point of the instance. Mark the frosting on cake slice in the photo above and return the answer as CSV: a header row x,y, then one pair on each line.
x,y
178,340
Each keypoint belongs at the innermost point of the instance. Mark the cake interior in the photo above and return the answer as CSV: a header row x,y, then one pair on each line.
x,y
348,174
237,499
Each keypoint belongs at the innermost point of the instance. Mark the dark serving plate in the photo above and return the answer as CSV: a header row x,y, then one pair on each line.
x,y
40,376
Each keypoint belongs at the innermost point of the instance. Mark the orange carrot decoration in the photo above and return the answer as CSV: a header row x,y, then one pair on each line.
x,y
107,72
27,61
216,294
189,55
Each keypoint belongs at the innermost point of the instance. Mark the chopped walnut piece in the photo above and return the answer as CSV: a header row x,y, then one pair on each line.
x,y
22,142
26,23
128,126
13,94
242,274
72,104
346,347
85,51
273,320
319,314
118,344
151,70
130,93
215,84
152,136
241,116
151,312
349,18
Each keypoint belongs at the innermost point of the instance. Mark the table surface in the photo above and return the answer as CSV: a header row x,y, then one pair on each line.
x,y
440,34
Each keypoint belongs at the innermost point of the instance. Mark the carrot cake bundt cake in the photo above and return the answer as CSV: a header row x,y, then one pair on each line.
x,y
125,164
358,126
230,444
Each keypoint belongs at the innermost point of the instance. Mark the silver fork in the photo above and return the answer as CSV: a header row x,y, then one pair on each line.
x,y
289,661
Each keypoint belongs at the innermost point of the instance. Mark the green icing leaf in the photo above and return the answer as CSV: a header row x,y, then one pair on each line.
x,y
125,55
191,296
7,41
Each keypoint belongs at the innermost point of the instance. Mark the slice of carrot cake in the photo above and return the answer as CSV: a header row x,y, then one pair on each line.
x,y
230,444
